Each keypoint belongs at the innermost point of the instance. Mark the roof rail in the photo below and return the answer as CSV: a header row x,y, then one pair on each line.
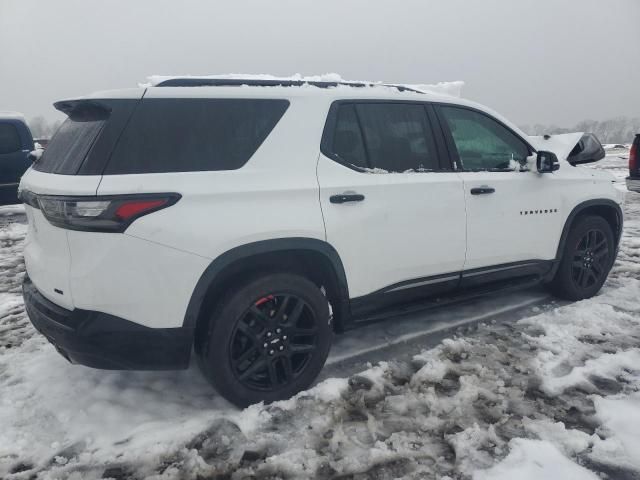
x,y
236,82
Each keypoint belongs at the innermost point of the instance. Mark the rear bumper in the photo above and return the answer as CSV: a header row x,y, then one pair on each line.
x,y
633,184
104,341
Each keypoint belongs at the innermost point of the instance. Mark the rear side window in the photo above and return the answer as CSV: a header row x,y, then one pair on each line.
x,y
71,143
397,136
186,135
9,138
347,138
391,137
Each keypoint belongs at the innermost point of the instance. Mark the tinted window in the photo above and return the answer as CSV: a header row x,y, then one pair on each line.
x,y
397,136
9,138
347,138
482,142
69,146
182,135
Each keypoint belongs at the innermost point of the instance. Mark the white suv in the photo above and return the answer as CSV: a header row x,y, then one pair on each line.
x,y
249,220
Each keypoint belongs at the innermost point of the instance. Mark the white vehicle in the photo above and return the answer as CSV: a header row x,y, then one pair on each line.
x,y
249,220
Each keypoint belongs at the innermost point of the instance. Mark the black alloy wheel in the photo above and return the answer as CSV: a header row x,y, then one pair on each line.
x,y
590,259
268,338
587,258
273,341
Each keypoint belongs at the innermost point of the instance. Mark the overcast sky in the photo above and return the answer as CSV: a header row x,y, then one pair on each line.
x,y
535,61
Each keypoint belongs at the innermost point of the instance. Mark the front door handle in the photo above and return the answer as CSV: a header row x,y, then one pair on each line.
x,y
346,197
482,190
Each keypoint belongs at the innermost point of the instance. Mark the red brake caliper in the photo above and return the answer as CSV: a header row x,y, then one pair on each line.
x,y
264,300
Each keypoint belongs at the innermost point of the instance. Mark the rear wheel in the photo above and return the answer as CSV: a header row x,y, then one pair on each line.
x,y
586,261
268,339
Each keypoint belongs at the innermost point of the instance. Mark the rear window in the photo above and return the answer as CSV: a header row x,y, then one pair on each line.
x,y
186,135
70,145
9,138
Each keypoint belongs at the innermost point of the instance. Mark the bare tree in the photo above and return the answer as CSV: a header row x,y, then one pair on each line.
x,y
613,130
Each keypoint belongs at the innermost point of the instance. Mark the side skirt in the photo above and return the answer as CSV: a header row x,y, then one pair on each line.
x,y
432,292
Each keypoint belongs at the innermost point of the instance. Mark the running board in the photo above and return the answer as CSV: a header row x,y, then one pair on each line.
x,y
456,297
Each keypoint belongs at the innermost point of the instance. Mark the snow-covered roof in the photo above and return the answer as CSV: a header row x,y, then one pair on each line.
x,y
261,85
227,85
328,80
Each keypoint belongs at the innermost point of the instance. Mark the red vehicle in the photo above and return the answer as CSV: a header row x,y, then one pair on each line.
x,y
633,180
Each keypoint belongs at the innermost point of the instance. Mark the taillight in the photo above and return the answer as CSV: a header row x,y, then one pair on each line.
x,y
30,198
633,155
101,214
135,209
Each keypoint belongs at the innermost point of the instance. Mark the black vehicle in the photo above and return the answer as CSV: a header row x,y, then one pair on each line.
x,y
633,180
15,144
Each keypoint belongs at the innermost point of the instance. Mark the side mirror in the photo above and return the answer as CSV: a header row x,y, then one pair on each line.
x,y
587,150
547,162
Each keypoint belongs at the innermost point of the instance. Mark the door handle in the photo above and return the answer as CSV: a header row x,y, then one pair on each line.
x,y
482,190
346,197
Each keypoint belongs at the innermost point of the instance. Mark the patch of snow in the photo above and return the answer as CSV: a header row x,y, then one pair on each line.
x,y
450,89
607,365
570,441
567,358
514,165
376,170
37,153
616,146
620,417
535,460
11,211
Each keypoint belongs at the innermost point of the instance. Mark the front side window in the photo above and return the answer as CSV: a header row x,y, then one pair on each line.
x,y
397,137
483,143
9,138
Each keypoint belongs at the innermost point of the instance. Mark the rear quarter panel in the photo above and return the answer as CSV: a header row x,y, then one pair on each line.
x,y
164,254
138,280
275,195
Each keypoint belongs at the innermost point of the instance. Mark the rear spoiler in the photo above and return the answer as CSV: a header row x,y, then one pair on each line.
x,y
83,109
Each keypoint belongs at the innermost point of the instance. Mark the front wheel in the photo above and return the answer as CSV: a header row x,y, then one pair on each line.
x,y
587,258
268,339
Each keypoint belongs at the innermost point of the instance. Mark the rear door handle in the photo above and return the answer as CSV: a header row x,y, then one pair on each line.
x,y
346,197
482,190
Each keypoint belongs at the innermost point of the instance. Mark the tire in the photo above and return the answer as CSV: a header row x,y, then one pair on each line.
x,y
587,258
268,339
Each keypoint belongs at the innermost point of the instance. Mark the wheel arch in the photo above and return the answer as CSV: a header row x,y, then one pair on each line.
x,y
314,258
603,207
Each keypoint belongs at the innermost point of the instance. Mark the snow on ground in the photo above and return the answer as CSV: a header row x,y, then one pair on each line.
x,y
615,162
553,393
